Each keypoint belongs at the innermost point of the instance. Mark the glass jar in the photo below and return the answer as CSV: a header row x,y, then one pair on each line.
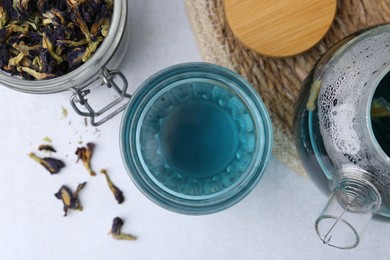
x,y
195,138
96,69
342,131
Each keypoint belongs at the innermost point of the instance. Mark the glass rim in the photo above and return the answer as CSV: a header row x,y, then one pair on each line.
x,y
325,217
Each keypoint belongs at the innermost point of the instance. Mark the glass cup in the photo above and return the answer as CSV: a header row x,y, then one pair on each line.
x,y
195,138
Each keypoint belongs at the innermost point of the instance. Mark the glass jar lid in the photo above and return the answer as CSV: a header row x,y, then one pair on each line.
x,y
195,138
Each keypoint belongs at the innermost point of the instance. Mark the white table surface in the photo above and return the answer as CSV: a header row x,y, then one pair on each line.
x,y
274,222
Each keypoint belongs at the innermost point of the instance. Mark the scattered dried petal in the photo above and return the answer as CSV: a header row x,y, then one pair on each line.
x,y
46,147
116,233
47,139
118,194
64,112
51,164
70,201
85,154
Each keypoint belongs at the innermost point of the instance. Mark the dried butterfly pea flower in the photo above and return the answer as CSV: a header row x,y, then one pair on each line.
x,y
69,199
116,233
4,55
46,5
114,189
90,9
36,74
15,27
23,7
85,155
13,62
75,56
108,3
46,147
74,3
91,48
72,43
54,17
79,21
51,164
8,6
22,47
3,16
46,44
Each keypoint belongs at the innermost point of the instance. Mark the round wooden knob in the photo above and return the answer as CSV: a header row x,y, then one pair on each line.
x,y
280,28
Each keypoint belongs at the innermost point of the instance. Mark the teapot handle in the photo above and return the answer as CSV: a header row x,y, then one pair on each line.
x,y
105,77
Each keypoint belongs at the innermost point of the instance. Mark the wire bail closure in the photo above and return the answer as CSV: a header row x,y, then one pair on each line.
x,y
106,77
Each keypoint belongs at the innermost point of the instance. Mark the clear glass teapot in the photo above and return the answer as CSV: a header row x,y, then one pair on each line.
x,y
343,134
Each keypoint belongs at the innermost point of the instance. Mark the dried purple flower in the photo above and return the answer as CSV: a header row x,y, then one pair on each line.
x,y
3,17
4,55
118,194
46,44
70,201
35,74
75,56
51,164
8,6
116,233
23,7
85,154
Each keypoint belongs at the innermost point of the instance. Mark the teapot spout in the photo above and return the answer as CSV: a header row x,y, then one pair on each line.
x,y
348,211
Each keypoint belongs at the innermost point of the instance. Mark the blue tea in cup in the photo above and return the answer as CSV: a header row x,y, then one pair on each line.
x,y
196,138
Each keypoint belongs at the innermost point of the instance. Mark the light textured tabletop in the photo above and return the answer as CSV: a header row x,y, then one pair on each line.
x,y
276,221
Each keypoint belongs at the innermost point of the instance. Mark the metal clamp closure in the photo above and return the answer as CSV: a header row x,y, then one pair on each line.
x,y
106,78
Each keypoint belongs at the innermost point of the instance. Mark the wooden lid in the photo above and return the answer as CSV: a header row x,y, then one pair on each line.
x,y
280,28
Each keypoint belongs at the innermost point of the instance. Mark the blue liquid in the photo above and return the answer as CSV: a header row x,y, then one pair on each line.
x,y
381,125
197,139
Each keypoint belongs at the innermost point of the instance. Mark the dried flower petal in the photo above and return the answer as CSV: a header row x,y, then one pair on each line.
x,y
70,201
74,3
47,139
16,28
80,22
85,154
48,45
4,55
115,232
22,7
3,16
51,164
13,62
24,48
46,147
118,194
35,74
74,57
91,49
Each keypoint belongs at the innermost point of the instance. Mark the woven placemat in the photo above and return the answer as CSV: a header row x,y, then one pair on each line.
x,y
277,80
